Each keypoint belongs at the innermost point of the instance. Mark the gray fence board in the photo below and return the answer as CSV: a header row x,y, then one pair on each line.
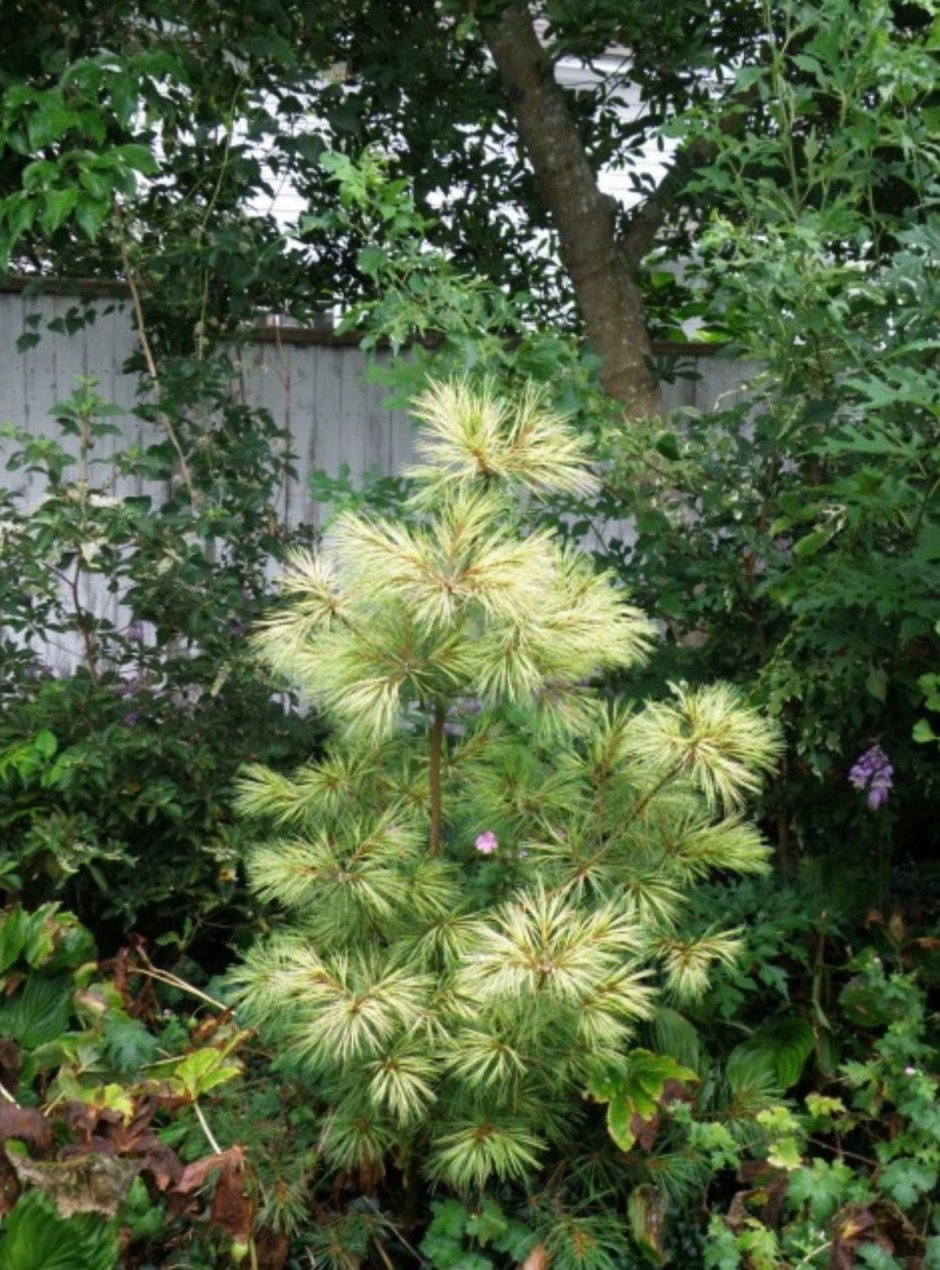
x,y
317,391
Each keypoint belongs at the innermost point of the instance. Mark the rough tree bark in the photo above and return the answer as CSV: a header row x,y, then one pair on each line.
x,y
600,263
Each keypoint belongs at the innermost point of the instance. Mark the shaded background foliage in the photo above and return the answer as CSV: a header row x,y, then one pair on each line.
x,y
789,543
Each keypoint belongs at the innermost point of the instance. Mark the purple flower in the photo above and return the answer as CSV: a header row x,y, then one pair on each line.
x,y
486,843
132,718
873,771
135,633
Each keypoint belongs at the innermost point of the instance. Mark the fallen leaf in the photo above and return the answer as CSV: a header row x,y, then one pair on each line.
x,y
87,1184
537,1259
27,1125
232,1206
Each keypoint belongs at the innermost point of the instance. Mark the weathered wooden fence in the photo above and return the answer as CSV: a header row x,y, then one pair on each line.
x,y
314,386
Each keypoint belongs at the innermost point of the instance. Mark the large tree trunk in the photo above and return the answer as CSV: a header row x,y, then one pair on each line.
x,y
598,263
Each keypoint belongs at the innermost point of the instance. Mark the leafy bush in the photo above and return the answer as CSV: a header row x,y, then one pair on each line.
x,y
127,759
482,882
850,1178
791,540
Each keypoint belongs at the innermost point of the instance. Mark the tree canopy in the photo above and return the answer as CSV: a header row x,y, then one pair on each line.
x,y
162,134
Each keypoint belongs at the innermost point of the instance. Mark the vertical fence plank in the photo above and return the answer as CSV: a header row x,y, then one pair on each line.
x,y
318,392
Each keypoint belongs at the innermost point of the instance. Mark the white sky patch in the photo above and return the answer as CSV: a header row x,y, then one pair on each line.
x,y
652,161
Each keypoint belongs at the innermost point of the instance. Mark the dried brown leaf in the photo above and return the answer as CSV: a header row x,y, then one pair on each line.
x,y
27,1125
538,1259
87,1184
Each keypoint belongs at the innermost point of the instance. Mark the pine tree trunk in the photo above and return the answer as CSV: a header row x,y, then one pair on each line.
x,y
585,218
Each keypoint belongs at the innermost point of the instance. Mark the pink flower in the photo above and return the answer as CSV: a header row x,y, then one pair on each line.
x,y
487,842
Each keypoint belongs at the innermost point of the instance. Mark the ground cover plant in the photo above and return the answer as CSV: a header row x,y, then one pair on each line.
x,y
482,882
96,1082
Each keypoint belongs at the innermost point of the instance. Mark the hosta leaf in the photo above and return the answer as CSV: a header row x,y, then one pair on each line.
x,y
39,1012
35,1237
672,1033
13,932
776,1053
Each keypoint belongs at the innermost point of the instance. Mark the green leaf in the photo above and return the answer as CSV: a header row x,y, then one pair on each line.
x,y
672,1033
811,543
130,1045
823,1107
36,1237
635,1094
371,260
14,931
39,1011
450,1218
203,1070
138,157
777,1052
668,446
877,683
91,215
45,743
785,1154
57,206
487,1224
906,1180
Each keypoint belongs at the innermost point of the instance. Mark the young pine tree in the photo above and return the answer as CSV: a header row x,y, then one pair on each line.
x,y
481,885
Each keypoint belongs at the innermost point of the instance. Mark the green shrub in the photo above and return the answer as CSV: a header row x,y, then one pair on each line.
x,y
482,883
115,772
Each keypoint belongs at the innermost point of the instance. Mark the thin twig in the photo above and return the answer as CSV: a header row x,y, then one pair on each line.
x,y
172,981
841,1151
149,358
434,776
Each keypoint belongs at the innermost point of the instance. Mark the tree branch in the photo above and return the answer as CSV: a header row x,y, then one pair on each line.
x,y
585,218
149,358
